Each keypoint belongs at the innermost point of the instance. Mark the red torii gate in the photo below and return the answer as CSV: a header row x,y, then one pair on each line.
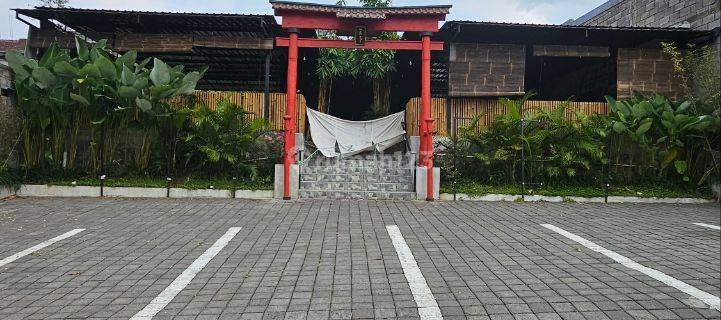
x,y
422,19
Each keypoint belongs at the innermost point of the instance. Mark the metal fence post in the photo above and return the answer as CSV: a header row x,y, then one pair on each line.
x,y
235,186
523,162
171,157
607,176
102,159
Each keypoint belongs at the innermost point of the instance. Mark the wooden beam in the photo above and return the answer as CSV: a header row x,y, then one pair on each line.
x,y
185,42
233,42
331,22
370,44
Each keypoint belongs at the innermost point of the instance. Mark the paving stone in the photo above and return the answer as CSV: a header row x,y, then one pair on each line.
x,y
333,259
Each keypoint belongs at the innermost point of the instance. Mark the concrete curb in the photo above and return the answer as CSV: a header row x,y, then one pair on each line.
x,y
537,198
29,190
6,192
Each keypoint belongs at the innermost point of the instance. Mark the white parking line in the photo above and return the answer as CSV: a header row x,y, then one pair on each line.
x,y
711,300
426,302
708,226
164,298
39,246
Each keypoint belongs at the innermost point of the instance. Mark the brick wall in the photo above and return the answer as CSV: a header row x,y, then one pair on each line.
x,y
645,71
486,69
9,120
43,38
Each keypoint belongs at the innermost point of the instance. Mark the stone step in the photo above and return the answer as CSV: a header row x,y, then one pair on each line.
x,y
357,171
364,161
365,176
371,156
362,164
371,178
356,186
345,194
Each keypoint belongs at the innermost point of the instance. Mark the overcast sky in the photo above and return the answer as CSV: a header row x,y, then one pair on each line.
x,y
529,11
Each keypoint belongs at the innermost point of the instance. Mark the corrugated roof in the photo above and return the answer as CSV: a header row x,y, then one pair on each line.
x,y
128,21
562,26
524,33
356,12
169,13
237,69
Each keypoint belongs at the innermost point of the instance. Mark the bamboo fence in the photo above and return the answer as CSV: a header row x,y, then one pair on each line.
x,y
253,102
466,109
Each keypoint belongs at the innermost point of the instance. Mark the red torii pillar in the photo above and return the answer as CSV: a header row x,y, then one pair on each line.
x,y
290,112
426,120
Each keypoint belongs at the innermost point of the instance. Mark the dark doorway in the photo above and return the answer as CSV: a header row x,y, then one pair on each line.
x,y
351,98
577,79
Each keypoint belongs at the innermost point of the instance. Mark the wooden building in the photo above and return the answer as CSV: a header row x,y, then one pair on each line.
x,y
481,61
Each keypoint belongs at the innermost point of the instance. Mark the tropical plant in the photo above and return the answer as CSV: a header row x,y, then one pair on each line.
x,y
677,138
223,139
377,65
555,148
43,97
59,95
697,69
104,88
374,65
332,64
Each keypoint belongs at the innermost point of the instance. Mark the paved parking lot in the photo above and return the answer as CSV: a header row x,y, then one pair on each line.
x,y
187,259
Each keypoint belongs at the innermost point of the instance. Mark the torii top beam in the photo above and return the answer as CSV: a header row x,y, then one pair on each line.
x,y
345,18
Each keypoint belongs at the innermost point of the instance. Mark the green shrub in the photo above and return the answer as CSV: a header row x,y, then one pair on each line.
x,y
60,94
677,138
224,140
556,149
10,178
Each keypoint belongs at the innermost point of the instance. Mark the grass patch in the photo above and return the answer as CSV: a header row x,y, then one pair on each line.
x,y
148,182
644,191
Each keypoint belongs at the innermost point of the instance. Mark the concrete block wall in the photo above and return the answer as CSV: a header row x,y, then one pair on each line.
x,y
9,121
696,14
700,14
646,71
486,69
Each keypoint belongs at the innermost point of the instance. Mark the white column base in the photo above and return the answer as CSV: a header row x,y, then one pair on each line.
x,y
294,181
422,183
415,144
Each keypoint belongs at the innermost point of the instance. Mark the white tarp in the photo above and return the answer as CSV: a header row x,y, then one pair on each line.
x,y
353,137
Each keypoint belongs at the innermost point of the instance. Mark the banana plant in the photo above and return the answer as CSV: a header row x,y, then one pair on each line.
x,y
42,94
670,131
59,94
120,90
